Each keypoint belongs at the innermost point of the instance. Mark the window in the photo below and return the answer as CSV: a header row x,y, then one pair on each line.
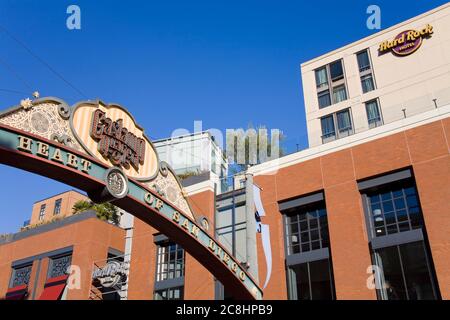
x,y
57,209
342,120
312,281
324,99
365,71
363,61
330,84
42,212
59,265
169,294
367,83
394,210
328,131
406,274
399,249
373,114
344,123
307,230
321,78
170,262
339,94
336,71
309,270
20,276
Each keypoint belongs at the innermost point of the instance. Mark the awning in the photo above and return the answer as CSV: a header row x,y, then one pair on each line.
x,y
17,293
54,288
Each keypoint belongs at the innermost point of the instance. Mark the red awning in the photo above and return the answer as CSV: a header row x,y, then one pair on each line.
x,y
54,288
17,293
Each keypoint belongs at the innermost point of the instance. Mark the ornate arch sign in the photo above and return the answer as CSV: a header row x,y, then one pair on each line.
x,y
99,148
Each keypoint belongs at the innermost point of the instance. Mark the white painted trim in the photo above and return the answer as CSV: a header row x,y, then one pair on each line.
x,y
207,185
353,140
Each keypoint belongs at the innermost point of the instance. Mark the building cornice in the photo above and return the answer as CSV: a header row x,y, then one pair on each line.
x,y
421,119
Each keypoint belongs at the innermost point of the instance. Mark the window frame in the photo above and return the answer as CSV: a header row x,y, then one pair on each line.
x,y
42,210
161,283
314,200
57,208
15,269
367,71
338,133
331,83
404,179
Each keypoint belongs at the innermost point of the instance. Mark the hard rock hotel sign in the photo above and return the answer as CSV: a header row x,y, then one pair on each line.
x,y
100,149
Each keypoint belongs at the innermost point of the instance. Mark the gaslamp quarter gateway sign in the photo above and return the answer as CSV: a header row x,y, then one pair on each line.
x,y
100,149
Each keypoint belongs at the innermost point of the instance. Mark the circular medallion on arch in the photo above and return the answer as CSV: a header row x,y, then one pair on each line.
x,y
204,222
116,183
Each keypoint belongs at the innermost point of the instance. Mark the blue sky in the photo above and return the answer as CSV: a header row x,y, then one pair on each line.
x,y
227,63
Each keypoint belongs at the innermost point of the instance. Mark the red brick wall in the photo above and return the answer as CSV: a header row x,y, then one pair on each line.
x,y
425,149
90,239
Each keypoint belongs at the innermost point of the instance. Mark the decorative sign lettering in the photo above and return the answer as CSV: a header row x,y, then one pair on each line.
x,y
110,134
113,273
115,142
407,42
57,155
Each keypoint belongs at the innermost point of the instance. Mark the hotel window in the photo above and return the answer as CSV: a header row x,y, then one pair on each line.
x,y
170,261
309,268
341,120
330,84
365,71
57,209
344,123
339,94
328,129
324,99
42,212
397,236
373,114
20,275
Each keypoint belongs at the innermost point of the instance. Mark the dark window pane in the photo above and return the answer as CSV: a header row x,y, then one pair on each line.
x,y
313,223
315,245
320,280
412,201
324,99
336,71
328,130
399,203
417,273
300,282
304,225
305,236
388,261
294,228
391,228
363,61
314,235
401,215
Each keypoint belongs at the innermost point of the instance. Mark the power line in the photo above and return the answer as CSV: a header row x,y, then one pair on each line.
x,y
13,91
16,74
43,62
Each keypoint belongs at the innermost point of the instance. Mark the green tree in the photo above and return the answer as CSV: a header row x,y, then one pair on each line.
x,y
240,167
105,211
